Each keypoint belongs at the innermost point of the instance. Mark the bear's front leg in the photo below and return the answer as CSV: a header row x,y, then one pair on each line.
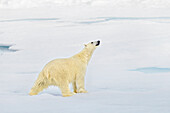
x,y
80,85
65,90
74,87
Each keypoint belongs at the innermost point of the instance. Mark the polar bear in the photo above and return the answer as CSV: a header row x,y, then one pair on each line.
x,y
62,72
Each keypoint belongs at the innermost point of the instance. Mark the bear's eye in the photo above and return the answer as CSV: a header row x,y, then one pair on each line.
x,y
91,42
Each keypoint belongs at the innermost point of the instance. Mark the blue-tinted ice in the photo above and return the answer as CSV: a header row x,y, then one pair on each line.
x,y
106,19
152,70
6,48
29,19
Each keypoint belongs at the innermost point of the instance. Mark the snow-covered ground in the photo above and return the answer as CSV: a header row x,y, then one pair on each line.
x,y
128,73
51,3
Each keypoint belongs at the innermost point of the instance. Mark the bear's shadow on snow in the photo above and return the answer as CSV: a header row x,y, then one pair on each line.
x,y
52,94
51,90
25,93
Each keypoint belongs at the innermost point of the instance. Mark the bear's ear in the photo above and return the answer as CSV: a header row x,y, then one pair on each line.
x,y
85,45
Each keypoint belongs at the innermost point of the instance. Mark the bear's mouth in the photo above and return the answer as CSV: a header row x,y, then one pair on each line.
x,y
98,43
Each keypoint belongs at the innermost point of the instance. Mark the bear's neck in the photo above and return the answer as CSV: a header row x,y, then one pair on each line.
x,y
84,55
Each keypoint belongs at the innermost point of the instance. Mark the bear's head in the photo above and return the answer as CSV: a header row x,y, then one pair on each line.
x,y
92,45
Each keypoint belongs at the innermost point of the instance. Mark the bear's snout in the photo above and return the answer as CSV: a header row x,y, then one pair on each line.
x,y
98,43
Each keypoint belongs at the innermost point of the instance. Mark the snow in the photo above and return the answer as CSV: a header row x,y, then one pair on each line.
x,y
54,3
33,33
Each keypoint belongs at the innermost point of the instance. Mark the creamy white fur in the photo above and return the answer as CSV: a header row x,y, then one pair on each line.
x,y
62,72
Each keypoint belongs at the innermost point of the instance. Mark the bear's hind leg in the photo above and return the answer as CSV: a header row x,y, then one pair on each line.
x,y
65,90
38,87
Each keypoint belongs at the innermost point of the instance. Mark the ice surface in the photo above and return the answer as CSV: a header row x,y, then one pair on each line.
x,y
131,38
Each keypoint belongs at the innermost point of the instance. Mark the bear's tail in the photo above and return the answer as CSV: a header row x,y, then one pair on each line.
x,y
40,84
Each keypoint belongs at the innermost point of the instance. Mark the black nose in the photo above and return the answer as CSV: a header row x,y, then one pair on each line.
x,y
98,43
